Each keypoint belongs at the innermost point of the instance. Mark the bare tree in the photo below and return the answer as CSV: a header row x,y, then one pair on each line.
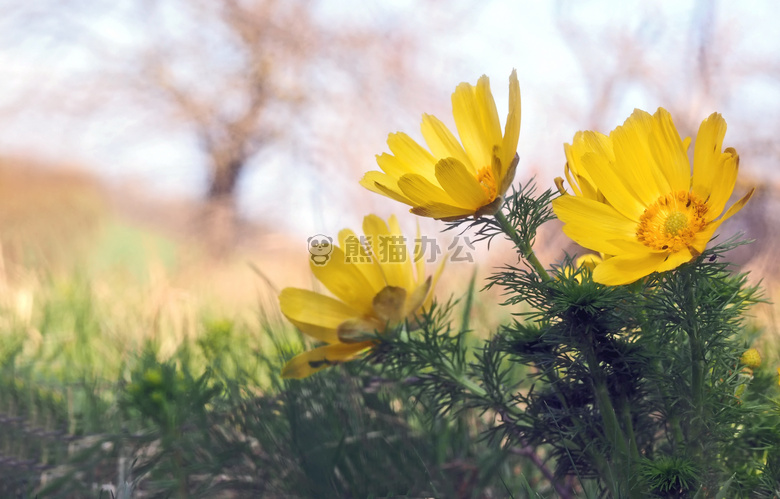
x,y
238,77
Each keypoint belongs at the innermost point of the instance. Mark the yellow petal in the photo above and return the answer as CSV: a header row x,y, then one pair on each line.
x,y
707,153
393,166
625,269
387,247
417,298
610,174
488,114
410,152
634,163
628,246
571,176
584,143
511,128
460,184
408,157
441,211
308,363
442,143
675,259
314,314
703,237
422,192
734,208
382,183
723,186
419,257
406,265
345,280
669,152
588,261
350,243
476,119
592,224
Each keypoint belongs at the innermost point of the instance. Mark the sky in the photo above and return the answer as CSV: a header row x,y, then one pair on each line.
x,y
557,85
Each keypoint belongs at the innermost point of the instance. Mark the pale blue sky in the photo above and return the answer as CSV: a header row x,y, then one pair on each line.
x,y
557,85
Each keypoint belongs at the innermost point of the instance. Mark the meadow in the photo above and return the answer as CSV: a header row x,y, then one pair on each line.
x,y
134,365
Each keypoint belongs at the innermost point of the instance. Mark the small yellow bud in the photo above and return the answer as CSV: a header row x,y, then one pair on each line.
x,y
588,261
751,358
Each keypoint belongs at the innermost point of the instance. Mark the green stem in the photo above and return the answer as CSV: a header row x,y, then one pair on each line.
x,y
611,426
626,452
697,386
523,247
697,371
470,385
463,380
673,422
628,424
677,433
607,410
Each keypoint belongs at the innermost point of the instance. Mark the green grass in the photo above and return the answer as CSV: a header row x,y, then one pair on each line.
x,y
113,373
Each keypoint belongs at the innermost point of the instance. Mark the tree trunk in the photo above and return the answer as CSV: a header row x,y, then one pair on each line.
x,y
220,218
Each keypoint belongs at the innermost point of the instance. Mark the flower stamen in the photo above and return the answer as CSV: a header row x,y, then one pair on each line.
x,y
487,182
672,222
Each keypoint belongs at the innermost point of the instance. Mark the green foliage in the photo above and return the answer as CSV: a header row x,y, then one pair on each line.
x,y
165,395
590,391
670,476
633,388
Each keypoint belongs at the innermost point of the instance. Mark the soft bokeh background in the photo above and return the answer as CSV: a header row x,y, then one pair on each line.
x,y
163,162
181,144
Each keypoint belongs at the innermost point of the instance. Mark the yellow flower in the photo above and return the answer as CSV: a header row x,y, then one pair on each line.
x,y
751,358
635,199
587,261
371,294
454,181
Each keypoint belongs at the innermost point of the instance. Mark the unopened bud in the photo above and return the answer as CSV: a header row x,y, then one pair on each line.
x,y
751,358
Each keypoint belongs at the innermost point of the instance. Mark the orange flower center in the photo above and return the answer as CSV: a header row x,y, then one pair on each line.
x,y
672,222
487,182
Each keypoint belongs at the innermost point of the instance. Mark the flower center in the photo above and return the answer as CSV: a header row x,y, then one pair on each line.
x,y
672,222
487,182
675,223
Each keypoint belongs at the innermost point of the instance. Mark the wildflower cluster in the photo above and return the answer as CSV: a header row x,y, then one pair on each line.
x,y
627,372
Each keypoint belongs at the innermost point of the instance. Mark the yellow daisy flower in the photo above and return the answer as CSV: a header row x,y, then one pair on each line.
x,y
371,294
635,199
454,181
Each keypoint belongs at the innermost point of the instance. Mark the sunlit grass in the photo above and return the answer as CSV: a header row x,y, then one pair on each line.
x,y
93,309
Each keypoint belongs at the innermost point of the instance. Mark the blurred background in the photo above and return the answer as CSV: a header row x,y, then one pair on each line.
x,y
176,141
163,163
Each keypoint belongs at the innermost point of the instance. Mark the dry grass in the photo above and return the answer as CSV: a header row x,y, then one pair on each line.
x,y
146,267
